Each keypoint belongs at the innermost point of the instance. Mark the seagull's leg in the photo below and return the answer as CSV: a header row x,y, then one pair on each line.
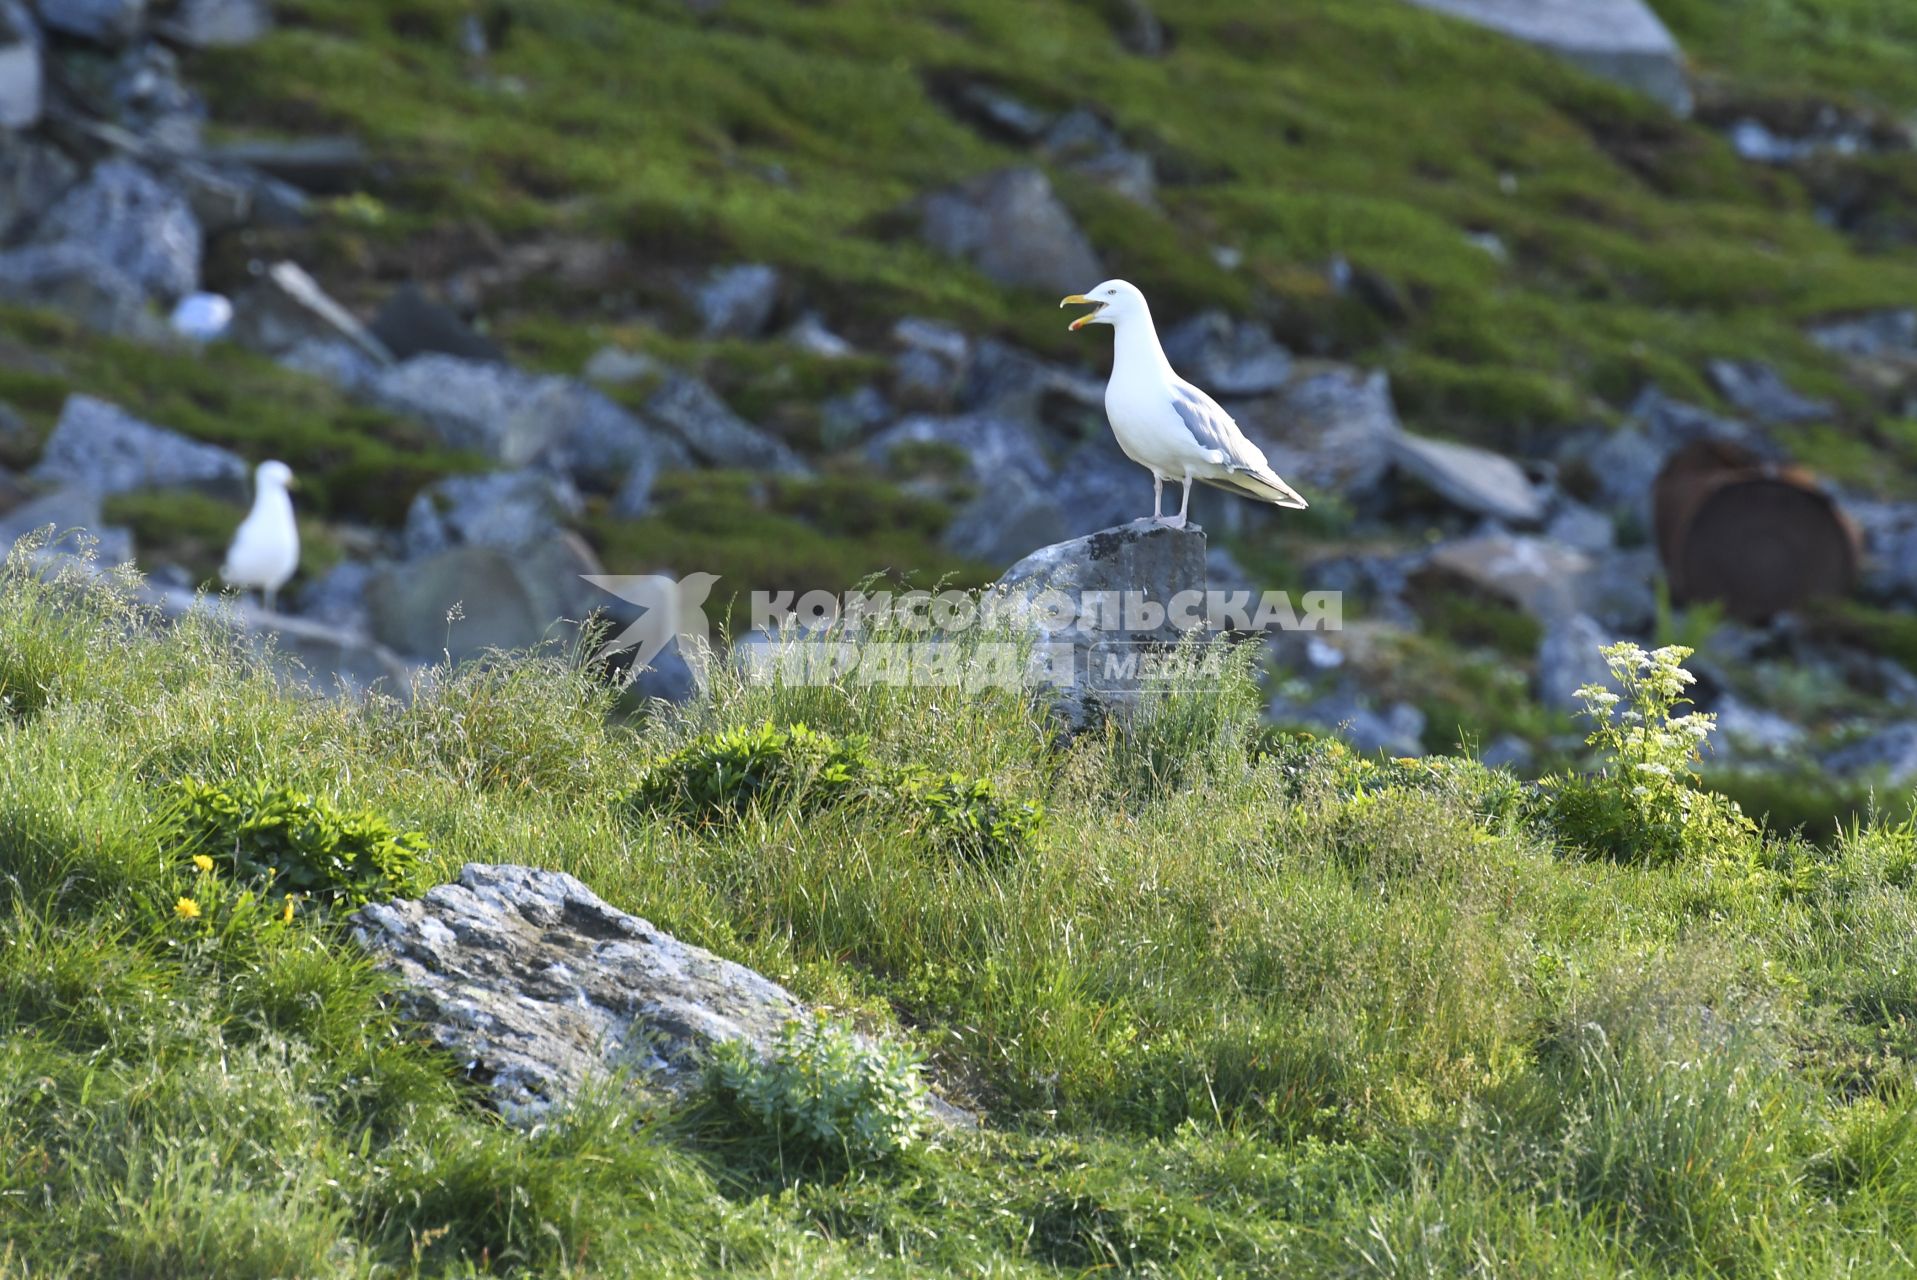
x,y
1158,496
268,596
1178,521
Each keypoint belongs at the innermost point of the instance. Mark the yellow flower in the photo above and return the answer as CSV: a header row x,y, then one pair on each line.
x,y
187,909
203,862
286,912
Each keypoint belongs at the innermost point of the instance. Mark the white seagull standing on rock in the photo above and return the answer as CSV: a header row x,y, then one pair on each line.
x,y
1164,423
266,547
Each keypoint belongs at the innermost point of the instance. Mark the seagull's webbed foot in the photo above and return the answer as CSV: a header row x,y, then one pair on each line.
x,y
1171,522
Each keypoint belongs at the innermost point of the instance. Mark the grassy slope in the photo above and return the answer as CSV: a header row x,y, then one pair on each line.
x,y
1229,1017
795,133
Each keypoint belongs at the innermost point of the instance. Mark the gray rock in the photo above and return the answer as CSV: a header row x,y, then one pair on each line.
x,y
1745,730
737,301
1084,144
991,444
70,517
1579,527
1620,590
809,334
1756,389
334,360
1328,429
1228,358
338,596
1889,533
125,216
1001,524
1535,574
108,22
948,344
541,988
100,446
1507,751
411,324
72,279
633,498
1004,379
1097,487
507,510
1569,659
1398,732
707,426
1092,672
222,201
220,24
33,174
1672,424
996,111
1625,464
1011,226
505,600
846,419
1138,28
150,98
618,368
518,418
326,659
21,84
1889,753
922,380
286,307
1619,40
1874,335
1473,479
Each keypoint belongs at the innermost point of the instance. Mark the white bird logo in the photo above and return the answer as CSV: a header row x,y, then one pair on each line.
x,y
674,611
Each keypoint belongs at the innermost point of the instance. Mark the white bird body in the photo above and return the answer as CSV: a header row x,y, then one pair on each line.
x,y
266,547
1165,424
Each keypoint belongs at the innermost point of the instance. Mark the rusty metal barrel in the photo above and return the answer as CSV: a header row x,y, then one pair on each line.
x,y
1758,537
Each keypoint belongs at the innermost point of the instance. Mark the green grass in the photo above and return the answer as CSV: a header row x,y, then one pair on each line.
x,y
1241,1010
1369,129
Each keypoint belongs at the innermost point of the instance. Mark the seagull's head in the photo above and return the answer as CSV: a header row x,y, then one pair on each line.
x,y
1113,303
274,475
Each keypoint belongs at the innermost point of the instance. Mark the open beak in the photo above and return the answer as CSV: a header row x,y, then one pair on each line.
x,y
1080,300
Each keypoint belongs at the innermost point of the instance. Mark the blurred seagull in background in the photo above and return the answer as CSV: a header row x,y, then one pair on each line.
x,y
1165,424
266,546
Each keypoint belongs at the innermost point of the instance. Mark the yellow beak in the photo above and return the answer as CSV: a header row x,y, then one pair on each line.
x,y
1080,300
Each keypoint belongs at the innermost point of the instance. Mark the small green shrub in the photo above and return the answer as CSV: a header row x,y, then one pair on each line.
x,y
1646,804
824,1093
971,820
303,843
721,775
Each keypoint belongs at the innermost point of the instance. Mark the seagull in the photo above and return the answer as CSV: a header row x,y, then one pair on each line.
x,y
1164,423
266,546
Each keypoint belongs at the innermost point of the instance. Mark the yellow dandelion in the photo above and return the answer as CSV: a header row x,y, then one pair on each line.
x,y
187,909
203,862
286,912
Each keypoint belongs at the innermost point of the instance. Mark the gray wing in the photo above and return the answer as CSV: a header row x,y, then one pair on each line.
x,y
1213,428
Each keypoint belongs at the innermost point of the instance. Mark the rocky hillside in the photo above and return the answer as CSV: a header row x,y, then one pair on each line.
x,y
766,290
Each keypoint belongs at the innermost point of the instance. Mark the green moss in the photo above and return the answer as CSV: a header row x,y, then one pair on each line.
x,y
764,534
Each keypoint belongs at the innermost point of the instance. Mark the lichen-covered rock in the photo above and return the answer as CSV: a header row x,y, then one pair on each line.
x,y
1013,228
694,413
132,220
1093,669
99,446
539,987
1620,40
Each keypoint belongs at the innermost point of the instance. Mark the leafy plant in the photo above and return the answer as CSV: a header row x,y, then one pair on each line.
x,y
1646,803
722,775
824,1093
304,844
969,818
